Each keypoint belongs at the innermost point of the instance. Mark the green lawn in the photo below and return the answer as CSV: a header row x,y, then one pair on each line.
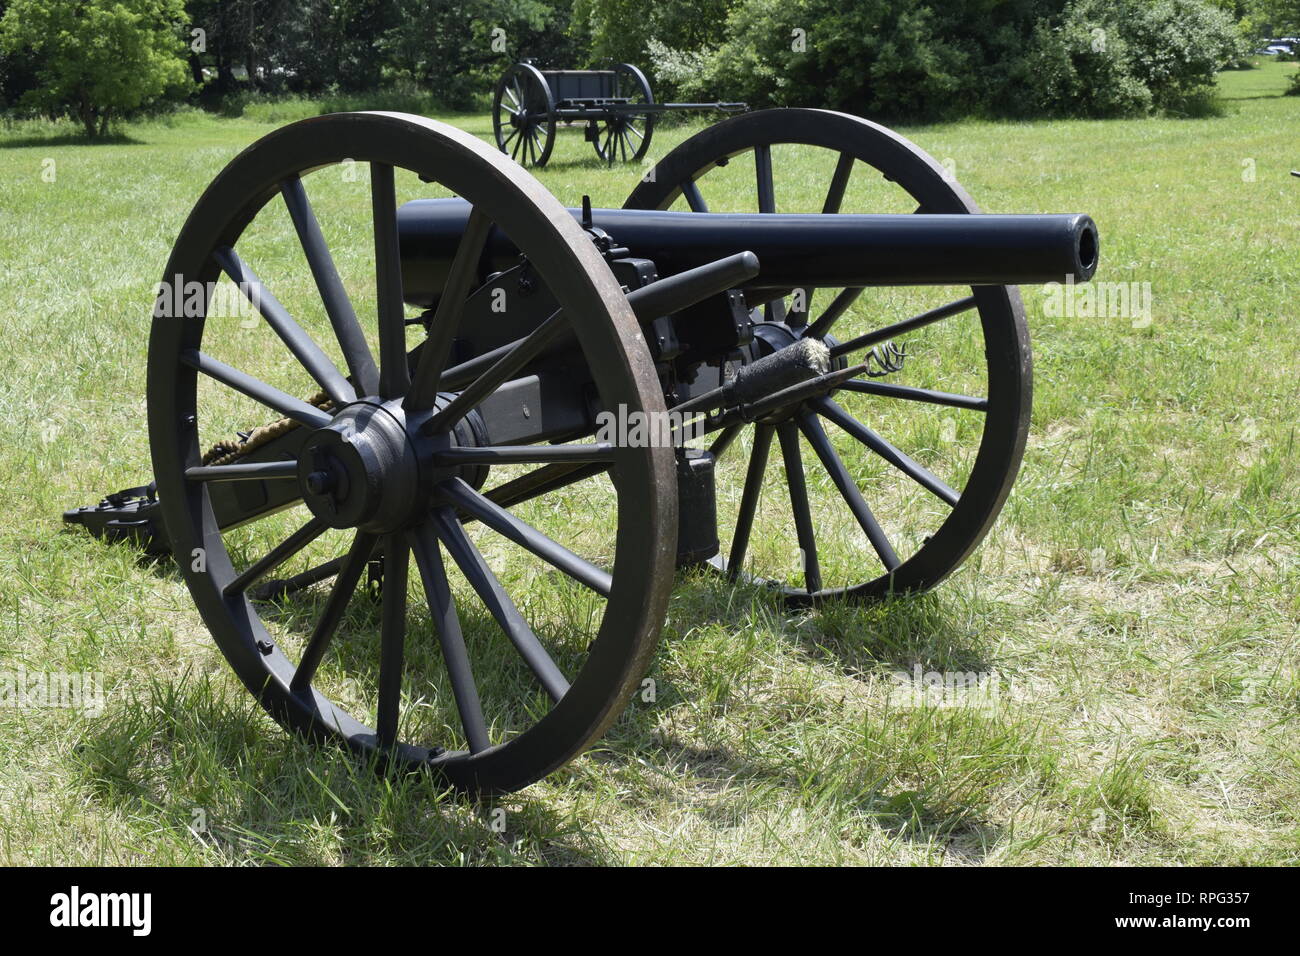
x,y
1138,599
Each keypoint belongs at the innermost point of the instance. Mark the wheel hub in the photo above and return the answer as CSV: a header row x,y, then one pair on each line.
x,y
373,468
362,470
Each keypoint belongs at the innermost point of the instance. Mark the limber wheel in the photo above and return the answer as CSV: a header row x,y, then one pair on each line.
x,y
523,115
491,693
625,135
888,484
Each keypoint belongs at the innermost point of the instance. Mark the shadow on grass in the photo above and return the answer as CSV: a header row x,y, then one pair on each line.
x,y
68,139
859,638
876,769
208,777
872,791
592,163
261,795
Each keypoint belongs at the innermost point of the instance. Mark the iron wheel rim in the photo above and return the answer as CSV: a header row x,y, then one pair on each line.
x,y
524,92
626,638
1007,350
619,137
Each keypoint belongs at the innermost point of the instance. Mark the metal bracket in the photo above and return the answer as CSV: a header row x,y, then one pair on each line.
x,y
132,515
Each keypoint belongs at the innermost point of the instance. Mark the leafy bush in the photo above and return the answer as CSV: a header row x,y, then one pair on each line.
x,y
1080,67
98,59
625,30
1178,46
917,60
871,56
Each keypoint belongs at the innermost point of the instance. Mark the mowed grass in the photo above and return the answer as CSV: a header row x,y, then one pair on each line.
x,y
1137,604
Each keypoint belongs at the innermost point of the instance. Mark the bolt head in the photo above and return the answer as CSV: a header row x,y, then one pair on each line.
x,y
319,482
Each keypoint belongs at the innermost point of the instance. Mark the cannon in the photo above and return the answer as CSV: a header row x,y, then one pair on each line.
x,y
508,422
615,107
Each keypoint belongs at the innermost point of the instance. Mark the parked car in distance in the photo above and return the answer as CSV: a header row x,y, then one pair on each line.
x,y
1281,46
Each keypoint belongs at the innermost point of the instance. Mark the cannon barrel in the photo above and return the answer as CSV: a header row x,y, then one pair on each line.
x,y
794,250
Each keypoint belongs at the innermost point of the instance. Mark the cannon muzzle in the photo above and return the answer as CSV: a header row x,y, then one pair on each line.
x,y
794,250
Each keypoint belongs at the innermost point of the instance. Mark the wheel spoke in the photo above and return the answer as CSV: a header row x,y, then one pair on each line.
x,y
908,466
908,393
834,199
849,491
773,311
526,536
344,587
543,481
803,525
522,454
394,372
281,553
839,183
839,305
691,190
800,303
304,349
724,440
529,347
251,471
492,594
749,499
280,588
446,318
907,325
347,330
763,171
392,638
259,391
428,558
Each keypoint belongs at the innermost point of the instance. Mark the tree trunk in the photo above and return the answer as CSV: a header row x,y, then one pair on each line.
x,y
225,75
87,114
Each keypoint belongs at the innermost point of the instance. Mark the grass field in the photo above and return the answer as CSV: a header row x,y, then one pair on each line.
x,y
1138,601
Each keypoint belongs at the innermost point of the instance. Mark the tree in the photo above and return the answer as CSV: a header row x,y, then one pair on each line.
x,y
448,46
98,59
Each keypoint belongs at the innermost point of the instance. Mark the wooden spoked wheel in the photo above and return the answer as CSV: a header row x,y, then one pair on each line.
x,y
888,484
523,115
450,667
625,135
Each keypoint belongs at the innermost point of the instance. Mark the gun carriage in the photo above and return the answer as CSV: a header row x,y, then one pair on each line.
x,y
616,108
460,395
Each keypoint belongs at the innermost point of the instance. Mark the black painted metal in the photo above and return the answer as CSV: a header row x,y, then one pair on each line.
x,y
401,460
615,105
373,494
994,313
810,250
697,507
